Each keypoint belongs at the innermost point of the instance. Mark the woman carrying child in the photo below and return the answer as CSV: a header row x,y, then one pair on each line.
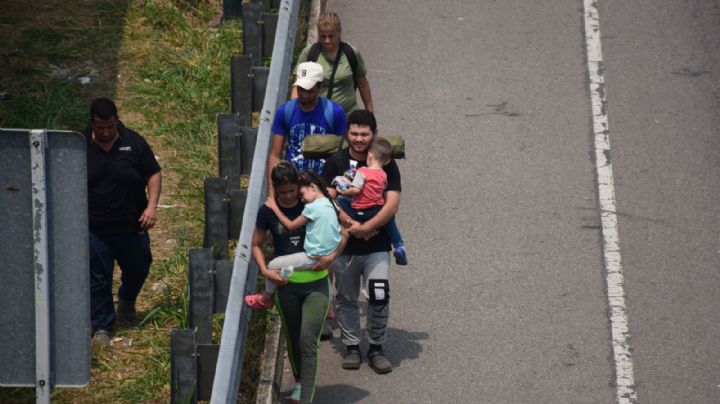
x,y
303,298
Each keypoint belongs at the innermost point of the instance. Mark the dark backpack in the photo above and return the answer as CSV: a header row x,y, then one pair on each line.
x,y
345,48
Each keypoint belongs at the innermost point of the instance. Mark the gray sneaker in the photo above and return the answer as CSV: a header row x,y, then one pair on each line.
x,y
102,337
126,311
378,362
352,359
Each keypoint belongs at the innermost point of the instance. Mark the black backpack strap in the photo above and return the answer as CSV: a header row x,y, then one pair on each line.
x,y
339,159
334,67
352,59
314,52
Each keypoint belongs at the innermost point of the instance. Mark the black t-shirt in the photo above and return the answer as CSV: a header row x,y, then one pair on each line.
x,y
117,180
284,241
336,165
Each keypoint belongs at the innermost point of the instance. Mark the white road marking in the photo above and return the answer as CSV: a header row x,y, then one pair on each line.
x,y
624,373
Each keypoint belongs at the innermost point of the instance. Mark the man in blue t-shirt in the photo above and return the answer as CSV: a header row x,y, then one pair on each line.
x,y
309,114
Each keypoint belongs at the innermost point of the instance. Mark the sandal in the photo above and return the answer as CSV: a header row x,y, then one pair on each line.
x,y
255,302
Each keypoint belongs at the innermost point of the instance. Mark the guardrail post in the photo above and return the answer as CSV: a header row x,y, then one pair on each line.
x,y
268,28
217,216
230,149
183,367
252,34
206,362
223,273
241,88
248,140
237,198
259,77
201,273
269,5
232,9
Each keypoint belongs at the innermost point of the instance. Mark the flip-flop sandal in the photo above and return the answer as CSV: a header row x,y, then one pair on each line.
x,y
255,302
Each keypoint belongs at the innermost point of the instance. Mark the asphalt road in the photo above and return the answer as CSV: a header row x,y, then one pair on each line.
x,y
505,298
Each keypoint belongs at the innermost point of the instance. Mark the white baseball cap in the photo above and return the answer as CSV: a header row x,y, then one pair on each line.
x,y
308,75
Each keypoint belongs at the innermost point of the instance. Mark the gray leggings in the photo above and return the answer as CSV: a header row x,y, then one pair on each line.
x,y
303,308
300,262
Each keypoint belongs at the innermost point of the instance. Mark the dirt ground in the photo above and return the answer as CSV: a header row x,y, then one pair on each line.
x,y
77,53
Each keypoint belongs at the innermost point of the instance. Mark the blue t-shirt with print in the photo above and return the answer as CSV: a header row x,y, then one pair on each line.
x,y
302,124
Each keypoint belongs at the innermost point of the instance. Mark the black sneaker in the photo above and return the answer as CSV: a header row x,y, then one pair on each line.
x,y
378,362
126,311
352,359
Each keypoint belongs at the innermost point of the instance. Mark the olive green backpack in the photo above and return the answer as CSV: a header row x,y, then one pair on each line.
x,y
322,146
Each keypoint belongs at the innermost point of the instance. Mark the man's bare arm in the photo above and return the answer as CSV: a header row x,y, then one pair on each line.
x,y
390,209
363,86
148,218
278,141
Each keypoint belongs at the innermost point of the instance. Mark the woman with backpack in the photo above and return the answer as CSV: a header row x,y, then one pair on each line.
x,y
343,66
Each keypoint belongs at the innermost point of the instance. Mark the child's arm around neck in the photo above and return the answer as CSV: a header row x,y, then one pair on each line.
x,y
291,225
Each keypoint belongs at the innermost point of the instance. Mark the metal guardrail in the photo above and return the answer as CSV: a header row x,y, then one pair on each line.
x,y
227,372
45,320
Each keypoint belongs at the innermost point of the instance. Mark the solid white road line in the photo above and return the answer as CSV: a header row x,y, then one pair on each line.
x,y
624,374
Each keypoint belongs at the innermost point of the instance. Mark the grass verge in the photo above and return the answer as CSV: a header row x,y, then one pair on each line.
x,y
166,64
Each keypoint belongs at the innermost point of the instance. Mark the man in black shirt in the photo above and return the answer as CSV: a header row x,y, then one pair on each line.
x,y
120,166
366,256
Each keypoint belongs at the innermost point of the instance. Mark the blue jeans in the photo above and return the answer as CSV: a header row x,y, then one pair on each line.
x,y
363,215
132,252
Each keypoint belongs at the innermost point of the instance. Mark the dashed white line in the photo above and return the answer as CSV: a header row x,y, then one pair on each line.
x,y
624,373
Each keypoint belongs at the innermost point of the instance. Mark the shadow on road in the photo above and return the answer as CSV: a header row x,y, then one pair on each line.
x,y
402,344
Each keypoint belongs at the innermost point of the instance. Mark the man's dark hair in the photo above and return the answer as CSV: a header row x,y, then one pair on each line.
x,y
103,108
362,117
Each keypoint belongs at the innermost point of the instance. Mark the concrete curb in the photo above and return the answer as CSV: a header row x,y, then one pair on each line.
x,y
272,365
268,390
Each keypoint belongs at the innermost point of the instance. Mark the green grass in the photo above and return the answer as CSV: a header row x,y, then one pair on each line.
x,y
174,81
41,67
170,76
